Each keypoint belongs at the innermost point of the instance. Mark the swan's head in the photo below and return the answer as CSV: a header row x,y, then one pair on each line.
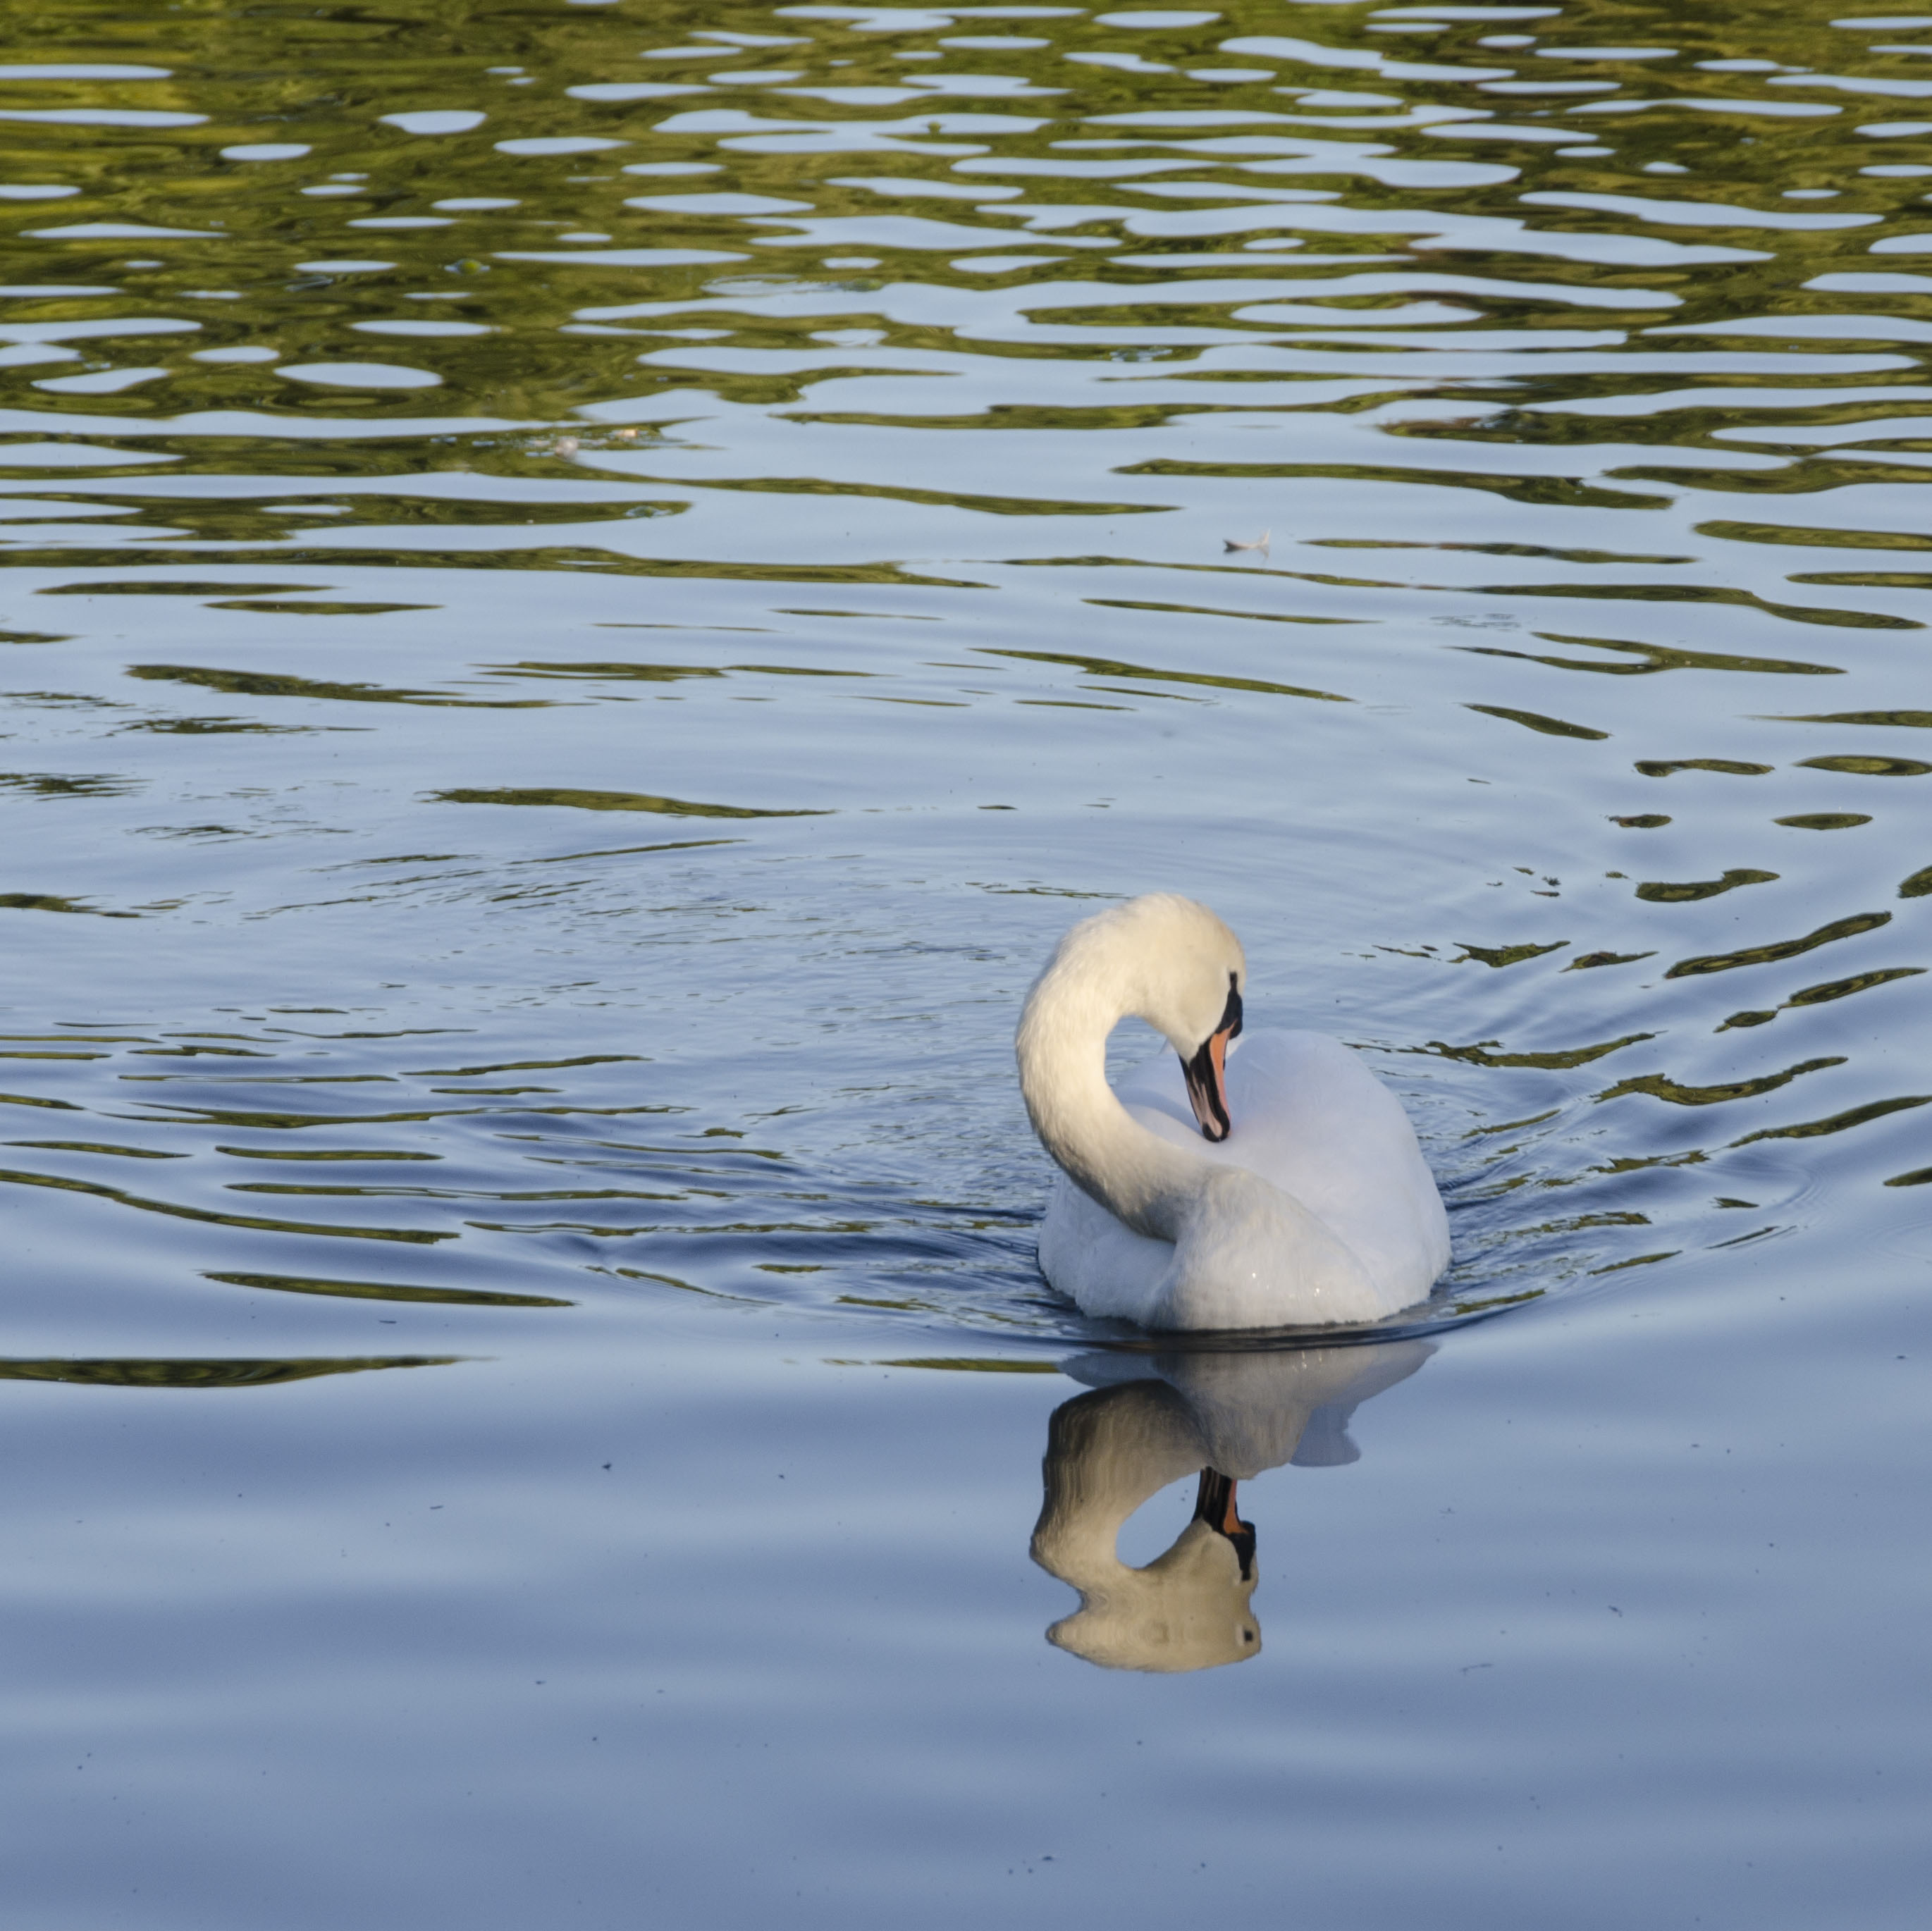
x,y
1170,961
1188,1610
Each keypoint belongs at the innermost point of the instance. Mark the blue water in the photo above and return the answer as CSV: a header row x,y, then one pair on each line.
x,y
587,595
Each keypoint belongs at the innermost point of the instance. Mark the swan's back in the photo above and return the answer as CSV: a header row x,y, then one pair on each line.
x,y
1313,1120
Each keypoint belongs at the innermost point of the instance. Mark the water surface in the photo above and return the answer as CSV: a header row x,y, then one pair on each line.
x,y
589,588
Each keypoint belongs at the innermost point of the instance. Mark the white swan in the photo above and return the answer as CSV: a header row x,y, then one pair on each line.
x,y
1308,1200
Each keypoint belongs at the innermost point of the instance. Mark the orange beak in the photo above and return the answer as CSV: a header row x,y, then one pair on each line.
x,y
1207,1073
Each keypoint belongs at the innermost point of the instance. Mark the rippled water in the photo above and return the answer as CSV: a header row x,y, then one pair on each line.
x,y
589,587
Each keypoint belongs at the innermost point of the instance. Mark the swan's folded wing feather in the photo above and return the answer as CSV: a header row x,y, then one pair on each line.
x,y
1157,1086
1310,1116
1311,1119
1105,1269
1349,1227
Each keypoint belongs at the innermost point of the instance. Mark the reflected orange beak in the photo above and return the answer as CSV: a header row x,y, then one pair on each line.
x,y
1214,1504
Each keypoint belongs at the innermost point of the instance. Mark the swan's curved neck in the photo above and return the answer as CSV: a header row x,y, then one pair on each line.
x,y
1144,1182
1107,1451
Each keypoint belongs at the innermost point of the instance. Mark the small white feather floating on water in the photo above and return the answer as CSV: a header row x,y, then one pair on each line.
x,y
1280,1187
1260,542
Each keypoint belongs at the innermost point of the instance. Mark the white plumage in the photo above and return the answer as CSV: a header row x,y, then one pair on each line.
x,y
1318,1207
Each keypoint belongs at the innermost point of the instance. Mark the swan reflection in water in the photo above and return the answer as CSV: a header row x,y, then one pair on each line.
x,y
1149,1420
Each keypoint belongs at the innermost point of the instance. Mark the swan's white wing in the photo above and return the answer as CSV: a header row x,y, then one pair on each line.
x,y
1313,1120
1309,1116
1105,1269
1156,1087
